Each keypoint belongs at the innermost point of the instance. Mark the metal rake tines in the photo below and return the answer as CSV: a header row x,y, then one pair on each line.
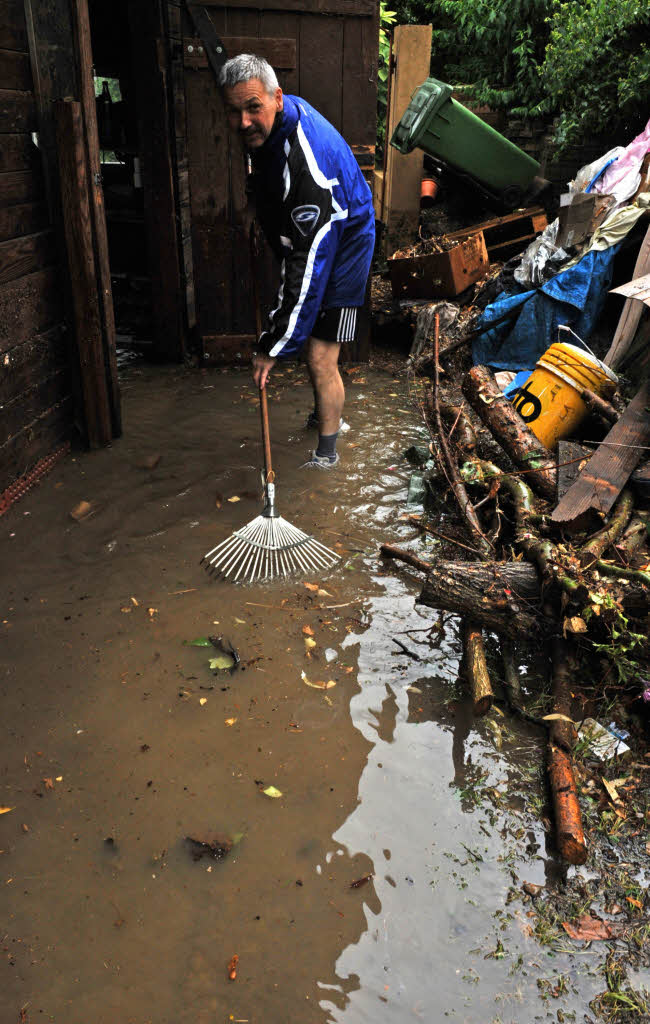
x,y
267,547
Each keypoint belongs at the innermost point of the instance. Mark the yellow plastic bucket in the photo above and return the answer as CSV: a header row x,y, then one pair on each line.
x,y
549,401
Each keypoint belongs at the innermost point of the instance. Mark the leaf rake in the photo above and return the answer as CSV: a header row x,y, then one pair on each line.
x,y
268,546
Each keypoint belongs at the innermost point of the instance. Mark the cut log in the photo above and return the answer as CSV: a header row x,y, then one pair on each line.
x,y
500,596
461,431
511,681
510,431
598,544
570,837
634,537
602,480
475,668
563,733
598,405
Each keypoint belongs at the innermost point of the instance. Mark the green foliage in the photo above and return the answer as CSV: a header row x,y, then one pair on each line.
x,y
495,48
386,19
596,69
586,61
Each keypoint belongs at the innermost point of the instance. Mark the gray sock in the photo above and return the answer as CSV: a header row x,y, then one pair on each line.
x,y
327,444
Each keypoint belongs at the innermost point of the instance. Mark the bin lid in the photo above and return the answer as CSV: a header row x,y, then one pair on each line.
x,y
425,103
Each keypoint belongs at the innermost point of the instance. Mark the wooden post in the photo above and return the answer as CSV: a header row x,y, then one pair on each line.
x,y
403,174
82,271
81,25
631,314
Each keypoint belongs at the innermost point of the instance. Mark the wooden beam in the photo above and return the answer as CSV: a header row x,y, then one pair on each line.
x,y
607,471
81,269
280,53
351,8
81,26
631,314
410,68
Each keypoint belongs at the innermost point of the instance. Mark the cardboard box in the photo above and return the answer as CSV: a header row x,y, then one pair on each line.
x,y
440,274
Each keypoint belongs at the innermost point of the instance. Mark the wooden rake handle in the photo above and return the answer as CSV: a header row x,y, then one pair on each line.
x,y
269,475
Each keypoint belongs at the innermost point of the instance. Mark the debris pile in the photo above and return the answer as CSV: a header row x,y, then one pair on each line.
x,y
426,246
548,478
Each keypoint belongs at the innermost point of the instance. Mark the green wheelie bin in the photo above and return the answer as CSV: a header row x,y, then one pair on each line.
x,y
449,132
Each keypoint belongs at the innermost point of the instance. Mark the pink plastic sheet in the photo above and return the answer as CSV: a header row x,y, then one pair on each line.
x,y
623,178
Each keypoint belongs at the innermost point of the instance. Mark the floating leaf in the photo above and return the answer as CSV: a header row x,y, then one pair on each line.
x,y
318,686
309,643
5,810
222,662
201,641
272,791
152,612
558,718
591,929
242,622
203,700
307,630
234,498
135,602
311,586
230,721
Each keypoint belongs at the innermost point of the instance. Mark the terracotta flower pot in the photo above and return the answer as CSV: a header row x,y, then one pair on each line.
x,y
428,191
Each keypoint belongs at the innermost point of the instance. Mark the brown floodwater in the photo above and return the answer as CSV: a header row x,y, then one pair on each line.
x,y
119,741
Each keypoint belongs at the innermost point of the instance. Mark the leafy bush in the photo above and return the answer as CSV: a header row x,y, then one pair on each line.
x,y
386,19
596,69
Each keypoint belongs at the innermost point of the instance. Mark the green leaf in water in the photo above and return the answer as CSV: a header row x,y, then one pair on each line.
x,y
201,641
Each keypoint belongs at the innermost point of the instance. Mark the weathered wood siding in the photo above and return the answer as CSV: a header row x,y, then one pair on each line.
x,y
35,390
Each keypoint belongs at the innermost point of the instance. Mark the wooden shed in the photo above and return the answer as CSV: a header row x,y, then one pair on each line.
x,y
122,197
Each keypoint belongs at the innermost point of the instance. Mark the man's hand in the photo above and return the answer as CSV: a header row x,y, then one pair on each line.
x,y
262,366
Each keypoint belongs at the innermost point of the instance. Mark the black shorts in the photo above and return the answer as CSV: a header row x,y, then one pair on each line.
x,y
338,324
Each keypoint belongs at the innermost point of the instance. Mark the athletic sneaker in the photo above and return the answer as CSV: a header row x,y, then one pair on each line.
x,y
321,461
312,423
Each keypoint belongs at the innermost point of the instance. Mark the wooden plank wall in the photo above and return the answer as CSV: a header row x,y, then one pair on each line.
x,y
35,389
324,51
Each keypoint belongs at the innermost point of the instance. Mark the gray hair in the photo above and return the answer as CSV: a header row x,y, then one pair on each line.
x,y
246,66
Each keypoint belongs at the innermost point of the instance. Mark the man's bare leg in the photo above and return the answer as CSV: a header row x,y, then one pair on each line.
x,y
322,366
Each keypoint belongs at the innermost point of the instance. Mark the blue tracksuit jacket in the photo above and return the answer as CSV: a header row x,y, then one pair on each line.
x,y
316,211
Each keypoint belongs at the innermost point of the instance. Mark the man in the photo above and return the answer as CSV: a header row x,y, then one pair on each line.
x,y
316,211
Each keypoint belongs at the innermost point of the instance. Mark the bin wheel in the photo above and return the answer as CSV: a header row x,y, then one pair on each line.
x,y
512,196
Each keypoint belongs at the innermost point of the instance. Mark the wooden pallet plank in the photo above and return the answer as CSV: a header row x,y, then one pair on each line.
x,y
13,31
22,219
602,480
29,306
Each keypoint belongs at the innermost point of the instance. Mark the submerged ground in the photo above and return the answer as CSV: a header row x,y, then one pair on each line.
x,y
119,741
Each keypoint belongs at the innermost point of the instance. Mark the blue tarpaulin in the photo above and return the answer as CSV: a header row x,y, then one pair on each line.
x,y
574,297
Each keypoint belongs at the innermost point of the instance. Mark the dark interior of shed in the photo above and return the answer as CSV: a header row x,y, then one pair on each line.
x,y
121,162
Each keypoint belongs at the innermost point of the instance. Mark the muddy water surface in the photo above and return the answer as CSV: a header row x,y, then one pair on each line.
x,y
119,741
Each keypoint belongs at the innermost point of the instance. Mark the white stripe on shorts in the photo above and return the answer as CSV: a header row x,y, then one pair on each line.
x,y
347,324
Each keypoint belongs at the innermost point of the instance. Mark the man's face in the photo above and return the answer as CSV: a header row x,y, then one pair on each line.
x,y
251,111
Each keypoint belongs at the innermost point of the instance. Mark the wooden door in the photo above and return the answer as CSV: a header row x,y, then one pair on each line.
x,y
322,50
